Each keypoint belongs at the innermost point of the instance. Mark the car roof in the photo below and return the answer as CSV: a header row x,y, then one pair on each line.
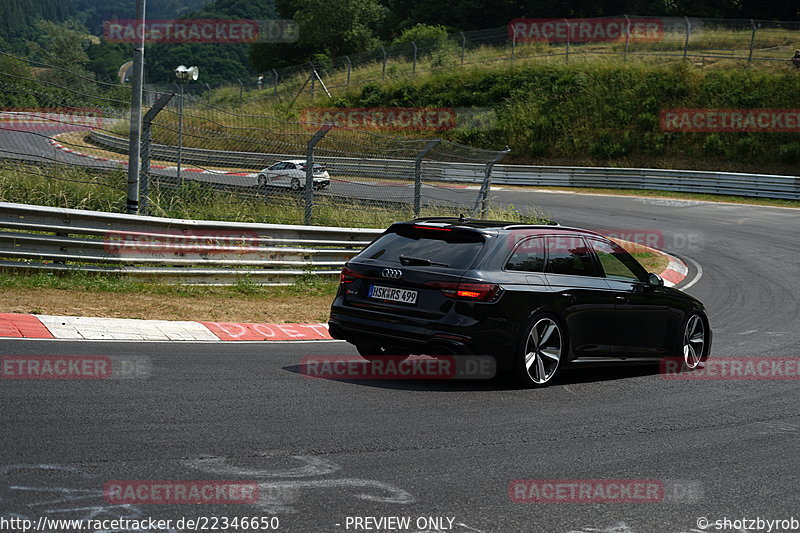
x,y
501,225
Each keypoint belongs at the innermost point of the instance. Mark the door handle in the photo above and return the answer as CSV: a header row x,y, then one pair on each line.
x,y
622,299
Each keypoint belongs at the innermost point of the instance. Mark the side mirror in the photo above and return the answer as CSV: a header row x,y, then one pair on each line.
x,y
654,280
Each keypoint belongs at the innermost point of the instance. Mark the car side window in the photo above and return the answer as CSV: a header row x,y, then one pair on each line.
x,y
569,255
278,166
616,262
289,166
528,256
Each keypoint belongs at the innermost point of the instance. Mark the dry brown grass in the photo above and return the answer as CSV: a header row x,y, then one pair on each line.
x,y
212,307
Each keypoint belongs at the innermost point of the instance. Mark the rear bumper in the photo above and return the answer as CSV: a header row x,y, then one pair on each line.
x,y
416,336
432,345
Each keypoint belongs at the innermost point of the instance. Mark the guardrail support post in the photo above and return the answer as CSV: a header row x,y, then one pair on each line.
x,y
463,47
309,196
147,126
752,40
349,67
414,66
275,87
430,145
486,186
688,32
383,68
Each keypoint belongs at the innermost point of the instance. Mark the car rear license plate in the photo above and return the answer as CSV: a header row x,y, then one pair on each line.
x,y
403,296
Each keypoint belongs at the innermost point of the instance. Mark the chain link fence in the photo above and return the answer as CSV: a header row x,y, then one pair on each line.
x,y
63,142
703,40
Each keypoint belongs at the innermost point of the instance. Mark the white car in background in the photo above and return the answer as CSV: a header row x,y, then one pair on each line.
x,y
292,173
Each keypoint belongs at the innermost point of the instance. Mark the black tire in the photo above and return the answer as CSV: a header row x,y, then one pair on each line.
x,y
540,357
374,352
262,180
692,342
295,185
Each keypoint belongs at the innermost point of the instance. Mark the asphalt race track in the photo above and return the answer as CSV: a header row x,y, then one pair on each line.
x,y
324,450
330,449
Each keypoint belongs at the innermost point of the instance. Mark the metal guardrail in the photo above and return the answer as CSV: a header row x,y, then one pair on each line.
x,y
692,181
172,250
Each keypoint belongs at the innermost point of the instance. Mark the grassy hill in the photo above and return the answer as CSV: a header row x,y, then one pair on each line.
x,y
596,109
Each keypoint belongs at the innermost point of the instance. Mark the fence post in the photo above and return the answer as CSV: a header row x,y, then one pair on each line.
x,y
414,66
135,132
430,145
275,87
566,57
688,31
147,127
752,40
463,47
383,68
313,79
349,66
309,197
627,35
486,186
513,44
241,90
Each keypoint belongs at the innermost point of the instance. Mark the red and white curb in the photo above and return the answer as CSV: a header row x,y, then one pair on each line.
x,y
17,325
54,142
675,272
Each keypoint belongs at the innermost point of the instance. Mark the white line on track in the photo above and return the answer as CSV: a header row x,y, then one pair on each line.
x,y
697,277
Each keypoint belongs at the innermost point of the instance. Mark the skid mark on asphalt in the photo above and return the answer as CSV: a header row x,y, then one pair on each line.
x,y
282,496
58,502
78,494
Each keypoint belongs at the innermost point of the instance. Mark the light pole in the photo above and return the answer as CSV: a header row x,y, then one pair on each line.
x,y
184,75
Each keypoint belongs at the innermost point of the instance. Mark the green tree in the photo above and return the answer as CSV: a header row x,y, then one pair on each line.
x,y
331,27
63,48
61,45
423,33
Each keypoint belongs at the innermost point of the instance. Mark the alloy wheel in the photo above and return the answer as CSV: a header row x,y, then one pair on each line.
x,y
694,341
543,350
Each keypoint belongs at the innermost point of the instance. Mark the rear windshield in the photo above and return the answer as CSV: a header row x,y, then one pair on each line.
x,y
456,249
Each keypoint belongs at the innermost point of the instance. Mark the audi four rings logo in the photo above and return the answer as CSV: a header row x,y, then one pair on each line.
x,y
393,273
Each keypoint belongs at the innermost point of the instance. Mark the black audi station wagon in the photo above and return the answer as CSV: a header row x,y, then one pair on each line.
x,y
535,297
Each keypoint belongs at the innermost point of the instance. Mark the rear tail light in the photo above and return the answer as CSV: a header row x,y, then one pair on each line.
x,y
349,275
476,292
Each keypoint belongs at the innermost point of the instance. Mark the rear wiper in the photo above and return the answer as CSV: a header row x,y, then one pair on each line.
x,y
416,261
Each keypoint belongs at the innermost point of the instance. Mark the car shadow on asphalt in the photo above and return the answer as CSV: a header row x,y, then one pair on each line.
x,y
502,381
